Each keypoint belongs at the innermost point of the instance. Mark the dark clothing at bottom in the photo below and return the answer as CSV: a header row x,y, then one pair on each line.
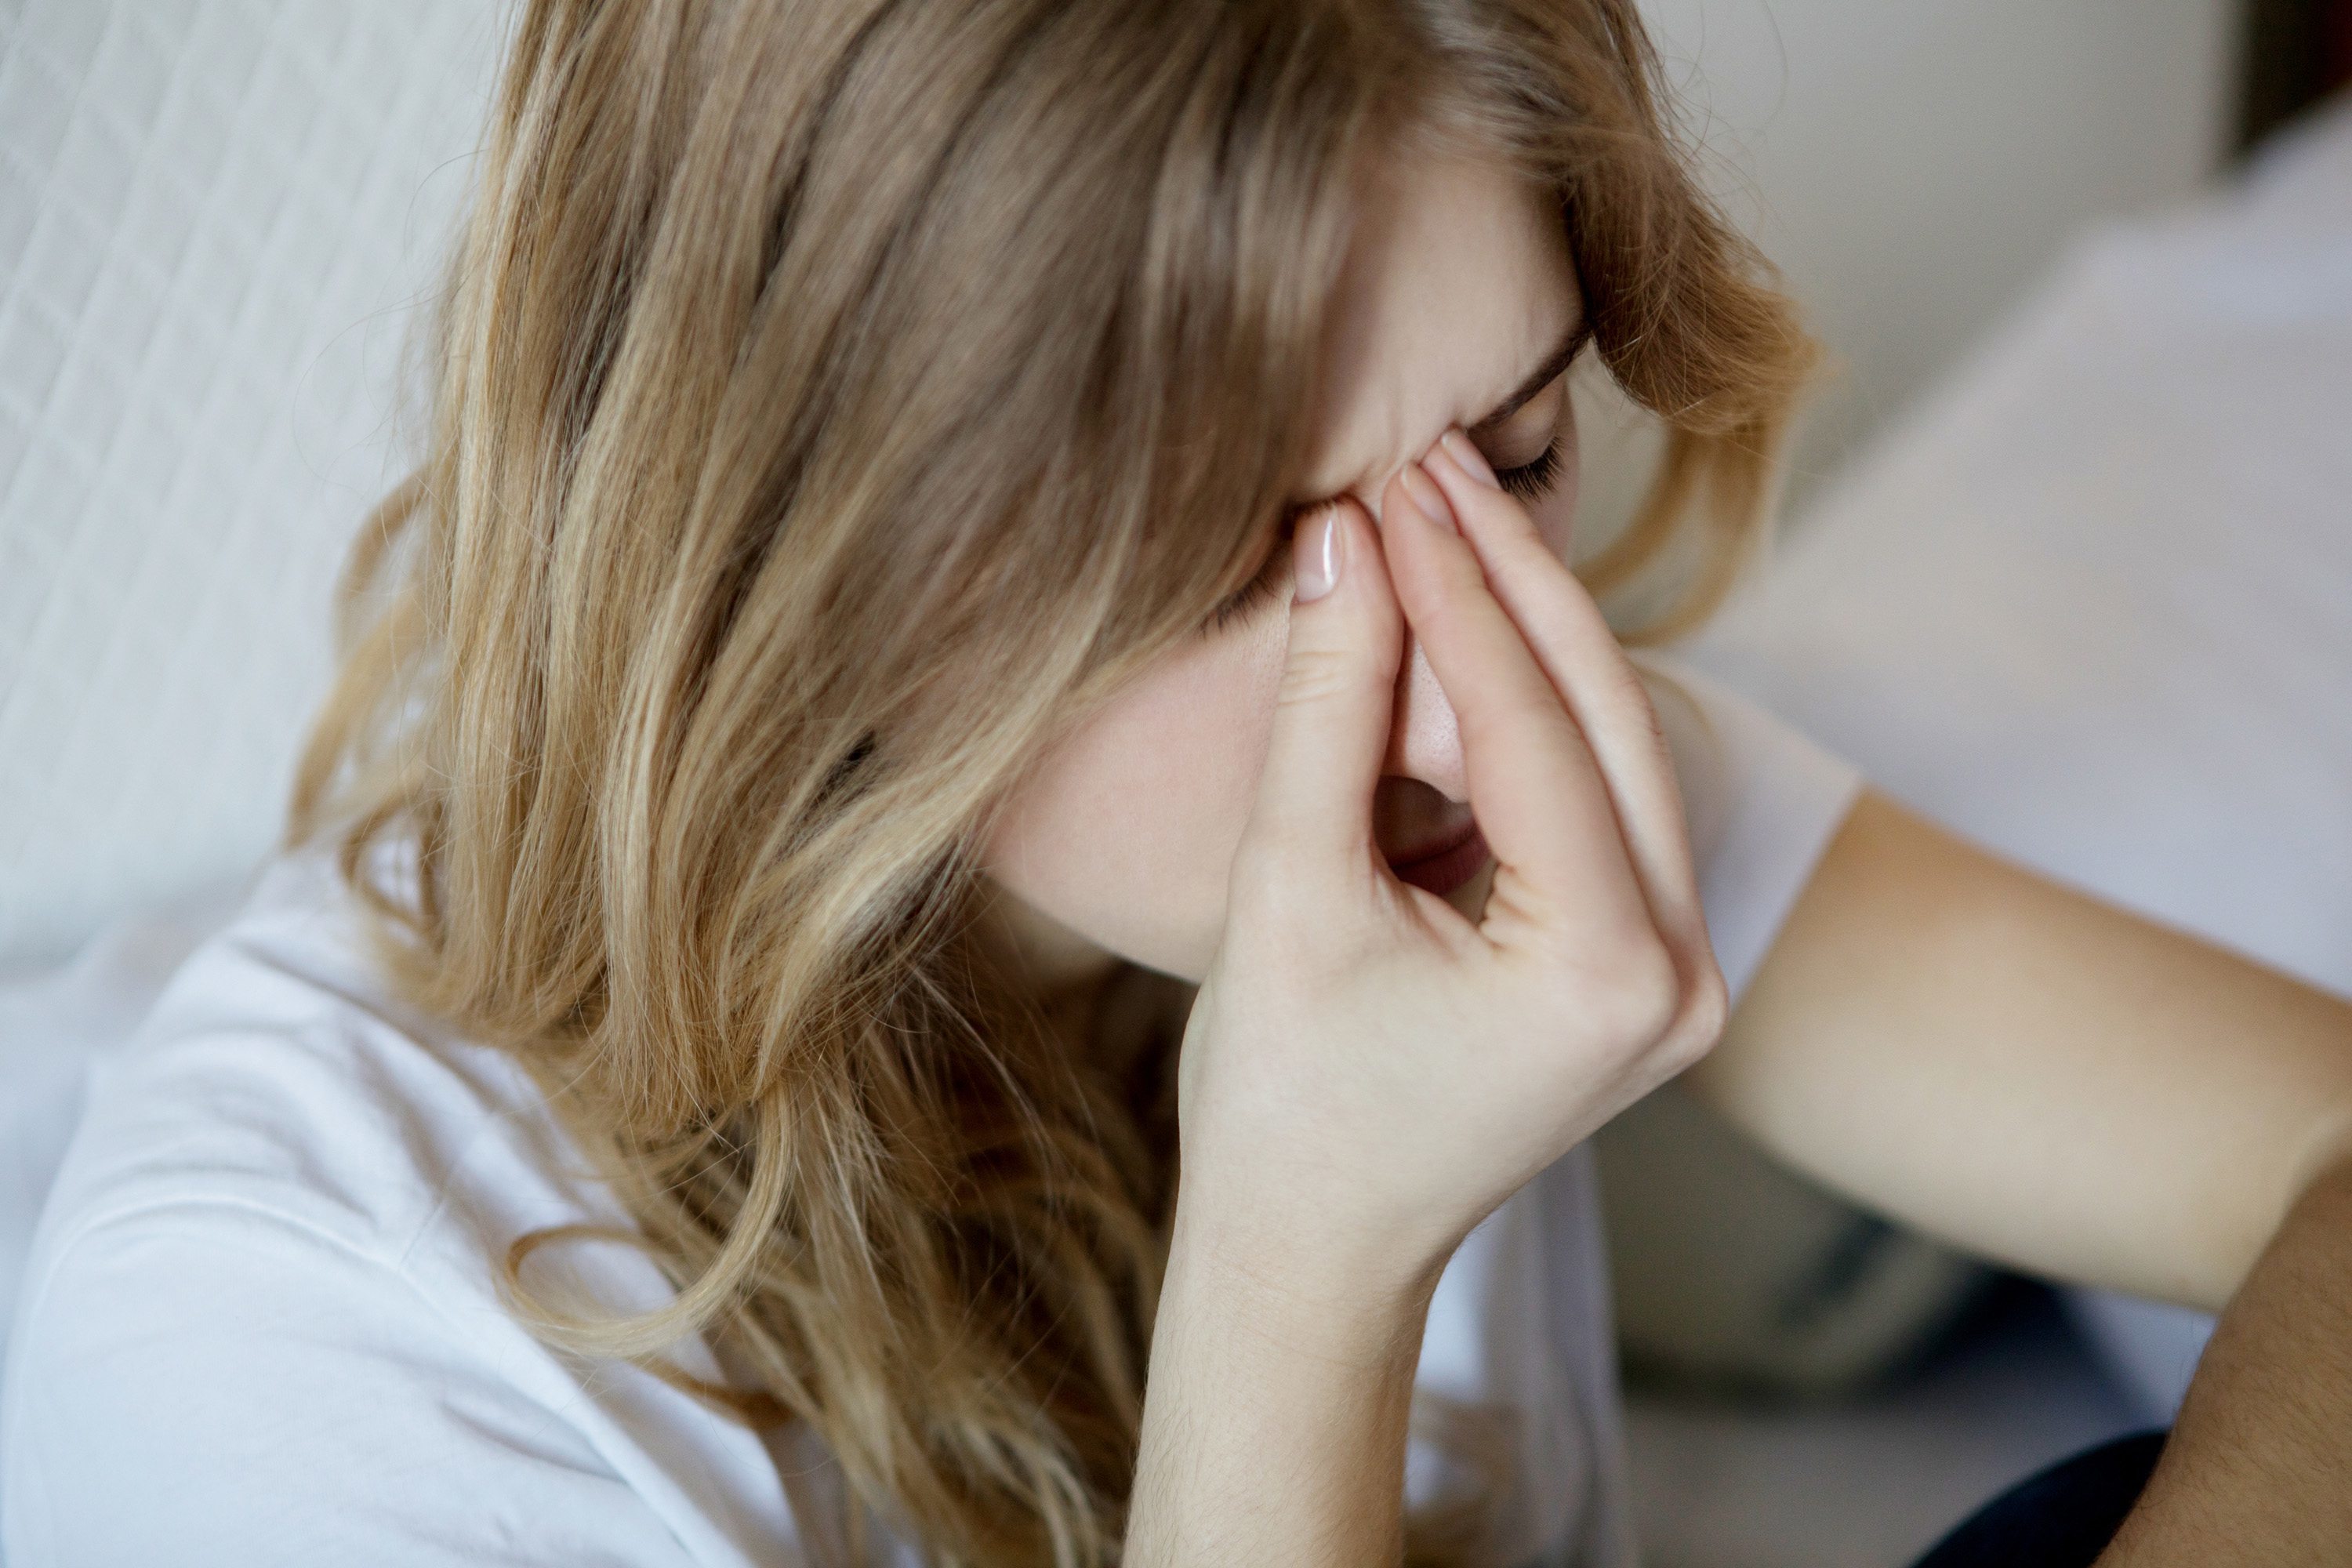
x,y
2061,1517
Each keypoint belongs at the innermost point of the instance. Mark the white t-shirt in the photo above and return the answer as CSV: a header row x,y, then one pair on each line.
x,y
258,1325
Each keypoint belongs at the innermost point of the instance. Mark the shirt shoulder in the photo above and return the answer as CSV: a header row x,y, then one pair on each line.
x,y
1762,800
267,1395
274,1072
264,1296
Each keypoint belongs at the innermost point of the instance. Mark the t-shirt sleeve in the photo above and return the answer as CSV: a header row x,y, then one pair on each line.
x,y
204,1384
1762,800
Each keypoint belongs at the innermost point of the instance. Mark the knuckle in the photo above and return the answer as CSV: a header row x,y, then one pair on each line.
x,y
1708,1008
1697,1024
1652,994
1630,988
1625,685
1317,675
1436,617
1641,957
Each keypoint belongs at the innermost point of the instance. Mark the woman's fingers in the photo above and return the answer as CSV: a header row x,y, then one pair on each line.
x,y
1314,808
1538,794
1583,659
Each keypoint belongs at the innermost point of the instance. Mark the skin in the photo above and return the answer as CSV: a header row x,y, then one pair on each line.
x,y
1367,1071
2023,1071
1121,840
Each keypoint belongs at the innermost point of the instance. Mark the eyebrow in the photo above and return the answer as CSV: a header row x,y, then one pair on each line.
x,y
1571,343
1543,375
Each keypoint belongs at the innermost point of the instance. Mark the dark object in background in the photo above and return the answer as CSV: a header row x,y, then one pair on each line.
x,y
1734,1274
2062,1516
2294,53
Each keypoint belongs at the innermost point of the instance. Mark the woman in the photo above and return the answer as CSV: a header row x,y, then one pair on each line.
x,y
947,527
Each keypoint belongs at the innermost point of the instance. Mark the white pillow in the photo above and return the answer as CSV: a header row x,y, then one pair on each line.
x,y
211,214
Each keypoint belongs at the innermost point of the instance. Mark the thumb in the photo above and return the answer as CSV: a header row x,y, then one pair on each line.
x,y
1338,695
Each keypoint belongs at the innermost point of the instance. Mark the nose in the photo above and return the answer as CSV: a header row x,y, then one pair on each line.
x,y
1424,737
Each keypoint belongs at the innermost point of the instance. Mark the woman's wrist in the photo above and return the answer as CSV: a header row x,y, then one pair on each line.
x,y
1321,1289
1277,1402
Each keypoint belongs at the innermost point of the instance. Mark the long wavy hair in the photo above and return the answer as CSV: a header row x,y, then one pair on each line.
x,y
831,400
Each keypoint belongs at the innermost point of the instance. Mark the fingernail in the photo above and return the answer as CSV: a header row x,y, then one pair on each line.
x,y
1425,495
1315,556
1464,451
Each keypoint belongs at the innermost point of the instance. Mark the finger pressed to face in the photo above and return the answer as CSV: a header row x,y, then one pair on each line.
x,y
1459,306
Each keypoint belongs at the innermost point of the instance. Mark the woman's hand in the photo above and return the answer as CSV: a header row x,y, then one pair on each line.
x,y
1367,1073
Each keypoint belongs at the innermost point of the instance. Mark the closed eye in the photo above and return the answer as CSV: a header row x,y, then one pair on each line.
x,y
1272,576
1530,481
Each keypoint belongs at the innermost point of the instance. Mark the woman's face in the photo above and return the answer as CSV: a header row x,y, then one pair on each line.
x,y
1457,305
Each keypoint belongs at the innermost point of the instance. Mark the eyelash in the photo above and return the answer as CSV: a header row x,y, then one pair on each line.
x,y
1534,479
1527,481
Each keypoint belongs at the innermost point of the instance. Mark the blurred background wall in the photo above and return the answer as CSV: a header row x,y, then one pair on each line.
x,y
1913,164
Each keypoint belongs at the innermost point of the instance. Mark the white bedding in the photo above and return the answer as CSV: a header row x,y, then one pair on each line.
x,y
212,213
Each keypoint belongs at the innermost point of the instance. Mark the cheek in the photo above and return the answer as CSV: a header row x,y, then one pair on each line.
x,y
1124,833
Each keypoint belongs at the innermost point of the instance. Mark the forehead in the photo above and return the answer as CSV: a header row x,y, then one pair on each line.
x,y
1458,284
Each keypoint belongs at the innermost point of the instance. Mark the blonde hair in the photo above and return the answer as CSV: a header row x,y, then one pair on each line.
x,y
831,399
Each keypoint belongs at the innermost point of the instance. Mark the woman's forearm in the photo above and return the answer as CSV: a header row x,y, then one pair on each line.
x,y
1276,1411
2258,1467
2029,1073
